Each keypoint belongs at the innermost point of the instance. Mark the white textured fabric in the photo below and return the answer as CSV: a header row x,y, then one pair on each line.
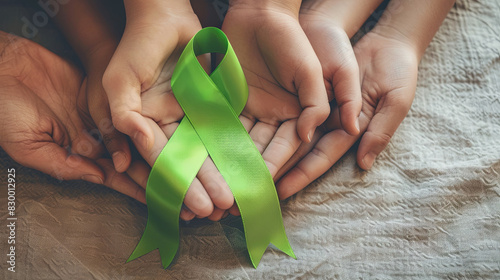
x,y
429,208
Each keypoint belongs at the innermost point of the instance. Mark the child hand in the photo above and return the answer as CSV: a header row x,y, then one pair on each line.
x,y
279,63
137,82
154,31
340,68
287,97
388,71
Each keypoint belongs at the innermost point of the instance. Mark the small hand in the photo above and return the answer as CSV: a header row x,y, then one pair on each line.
x,y
388,72
153,33
287,98
137,82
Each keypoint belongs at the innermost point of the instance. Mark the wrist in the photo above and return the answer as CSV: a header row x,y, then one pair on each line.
x,y
97,57
291,7
413,22
398,36
153,10
347,15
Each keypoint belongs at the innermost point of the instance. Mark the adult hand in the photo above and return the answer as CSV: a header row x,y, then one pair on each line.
x,y
86,26
43,104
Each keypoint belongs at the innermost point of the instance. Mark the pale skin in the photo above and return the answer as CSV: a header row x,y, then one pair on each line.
x,y
388,58
278,115
136,83
274,116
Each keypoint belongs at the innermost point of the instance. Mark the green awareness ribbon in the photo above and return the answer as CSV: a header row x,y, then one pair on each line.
x,y
211,127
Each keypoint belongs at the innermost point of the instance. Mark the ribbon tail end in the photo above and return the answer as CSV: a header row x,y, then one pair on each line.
x,y
142,248
284,245
167,256
256,254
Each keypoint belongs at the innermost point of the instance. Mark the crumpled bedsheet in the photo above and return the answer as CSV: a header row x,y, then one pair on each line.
x,y
428,209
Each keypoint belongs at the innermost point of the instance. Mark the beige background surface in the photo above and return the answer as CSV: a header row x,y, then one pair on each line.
x,y
429,208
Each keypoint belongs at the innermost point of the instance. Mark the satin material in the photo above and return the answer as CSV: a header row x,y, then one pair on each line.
x,y
212,105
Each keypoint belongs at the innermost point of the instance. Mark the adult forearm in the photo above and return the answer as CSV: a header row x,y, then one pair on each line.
x,y
349,15
290,6
140,10
86,29
413,22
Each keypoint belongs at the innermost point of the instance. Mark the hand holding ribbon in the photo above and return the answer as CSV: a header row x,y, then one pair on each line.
x,y
211,126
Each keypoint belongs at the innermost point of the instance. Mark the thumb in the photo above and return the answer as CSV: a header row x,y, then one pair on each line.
x,y
347,90
56,161
313,99
124,93
134,67
393,109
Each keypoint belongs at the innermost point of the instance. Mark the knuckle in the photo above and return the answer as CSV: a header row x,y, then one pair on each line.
x,y
381,138
109,139
112,79
321,154
199,204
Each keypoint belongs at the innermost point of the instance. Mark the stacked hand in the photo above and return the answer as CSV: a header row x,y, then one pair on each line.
x,y
44,117
311,94
137,82
388,74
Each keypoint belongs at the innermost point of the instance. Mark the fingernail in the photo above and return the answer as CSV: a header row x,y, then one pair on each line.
x,y
93,179
225,215
141,139
369,159
356,123
119,159
310,135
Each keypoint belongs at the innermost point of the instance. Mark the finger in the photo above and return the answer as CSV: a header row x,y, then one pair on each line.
x,y
391,111
234,210
298,74
121,182
302,151
332,123
186,214
196,199
215,185
314,101
139,172
133,68
262,134
126,108
297,176
216,215
115,142
247,122
283,145
328,150
56,161
341,73
347,91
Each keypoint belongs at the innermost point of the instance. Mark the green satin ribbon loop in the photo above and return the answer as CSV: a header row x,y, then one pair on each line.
x,y
212,105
